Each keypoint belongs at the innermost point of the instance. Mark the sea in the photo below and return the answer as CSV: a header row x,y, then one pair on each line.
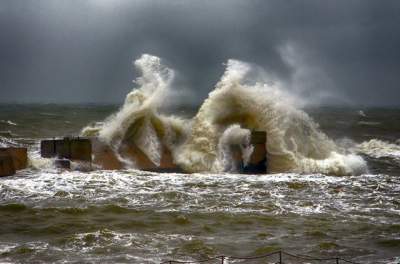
x,y
346,205
130,216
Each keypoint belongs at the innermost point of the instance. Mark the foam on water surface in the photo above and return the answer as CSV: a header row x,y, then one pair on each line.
x,y
143,217
277,193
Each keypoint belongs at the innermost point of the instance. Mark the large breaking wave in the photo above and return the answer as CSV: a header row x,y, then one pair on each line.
x,y
239,103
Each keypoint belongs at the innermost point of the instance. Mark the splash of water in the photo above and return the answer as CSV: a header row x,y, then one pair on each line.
x,y
233,136
237,105
138,120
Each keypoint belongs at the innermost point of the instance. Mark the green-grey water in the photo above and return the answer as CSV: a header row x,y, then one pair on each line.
x,y
130,216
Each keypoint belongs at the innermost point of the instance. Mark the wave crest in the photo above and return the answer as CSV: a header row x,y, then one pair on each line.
x,y
239,103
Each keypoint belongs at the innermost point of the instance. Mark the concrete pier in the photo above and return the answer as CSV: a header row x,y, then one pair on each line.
x,y
107,158
66,150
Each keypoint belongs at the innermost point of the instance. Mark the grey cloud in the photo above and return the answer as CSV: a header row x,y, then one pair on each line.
x,y
81,51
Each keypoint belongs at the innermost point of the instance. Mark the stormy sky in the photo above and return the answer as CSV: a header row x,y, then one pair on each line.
x,y
73,51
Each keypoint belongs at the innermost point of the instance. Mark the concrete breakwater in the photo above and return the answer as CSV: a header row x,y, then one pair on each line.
x,y
12,159
66,150
103,156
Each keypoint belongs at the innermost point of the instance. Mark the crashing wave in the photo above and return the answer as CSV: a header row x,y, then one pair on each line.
x,y
237,105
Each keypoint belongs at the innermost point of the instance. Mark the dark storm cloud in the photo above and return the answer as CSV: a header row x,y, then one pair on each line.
x,y
82,51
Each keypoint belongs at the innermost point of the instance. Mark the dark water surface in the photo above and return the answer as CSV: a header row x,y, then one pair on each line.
x,y
131,216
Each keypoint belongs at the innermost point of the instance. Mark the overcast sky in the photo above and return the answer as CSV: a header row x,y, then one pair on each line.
x,y
340,51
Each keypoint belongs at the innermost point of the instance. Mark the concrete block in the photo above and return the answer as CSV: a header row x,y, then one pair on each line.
x,y
47,148
81,149
67,148
19,156
6,166
63,148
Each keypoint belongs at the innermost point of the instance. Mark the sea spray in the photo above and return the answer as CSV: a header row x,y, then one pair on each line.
x,y
295,143
138,120
234,135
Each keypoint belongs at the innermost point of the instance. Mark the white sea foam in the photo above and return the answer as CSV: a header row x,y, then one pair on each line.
x,y
361,113
8,122
237,193
379,149
365,123
7,142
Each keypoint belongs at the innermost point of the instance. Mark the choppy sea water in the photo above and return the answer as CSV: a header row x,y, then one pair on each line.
x,y
130,216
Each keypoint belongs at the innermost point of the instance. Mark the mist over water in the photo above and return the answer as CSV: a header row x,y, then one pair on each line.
x,y
333,188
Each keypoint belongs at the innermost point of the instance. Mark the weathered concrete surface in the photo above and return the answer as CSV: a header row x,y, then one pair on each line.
x,y
19,156
48,148
67,148
6,166
81,149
